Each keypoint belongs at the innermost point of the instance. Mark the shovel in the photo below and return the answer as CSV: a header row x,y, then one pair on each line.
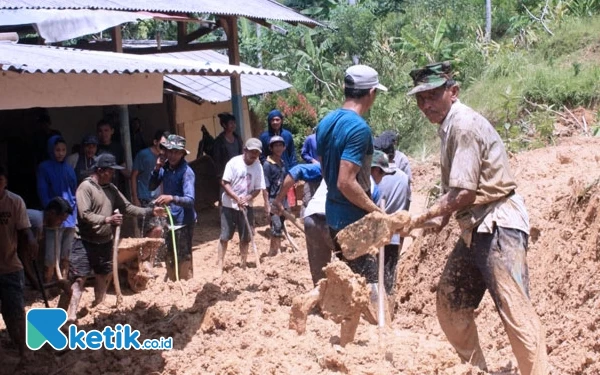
x,y
380,281
249,228
289,238
115,265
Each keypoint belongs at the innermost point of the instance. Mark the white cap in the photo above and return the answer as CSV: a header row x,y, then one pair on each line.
x,y
362,77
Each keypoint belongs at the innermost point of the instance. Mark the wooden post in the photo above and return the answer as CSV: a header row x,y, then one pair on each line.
x,y
181,33
117,45
117,39
233,51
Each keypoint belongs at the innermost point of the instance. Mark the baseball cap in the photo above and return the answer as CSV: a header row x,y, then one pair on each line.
x,y
107,160
381,160
275,139
253,144
59,205
430,77
175,142
90,140
362,77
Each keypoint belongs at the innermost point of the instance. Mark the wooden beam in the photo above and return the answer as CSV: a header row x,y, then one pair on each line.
x,y
181,33
178,48
233,51
197,34
117,39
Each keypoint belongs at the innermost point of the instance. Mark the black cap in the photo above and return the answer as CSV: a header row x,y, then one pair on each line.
x,y
59,205
107,160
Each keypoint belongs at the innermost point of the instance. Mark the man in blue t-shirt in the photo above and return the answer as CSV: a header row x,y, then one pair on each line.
x,y
345,146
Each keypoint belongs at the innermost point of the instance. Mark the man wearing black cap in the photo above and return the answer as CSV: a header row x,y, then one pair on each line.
x,y
97,199
492,251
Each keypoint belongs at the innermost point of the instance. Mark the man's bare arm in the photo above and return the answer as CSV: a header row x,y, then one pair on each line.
x,y
351,189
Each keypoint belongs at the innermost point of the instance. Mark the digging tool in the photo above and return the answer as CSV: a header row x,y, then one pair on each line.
x,y
292,218
172,230
380,280
288,237
41,283
115,265
249,228
57,255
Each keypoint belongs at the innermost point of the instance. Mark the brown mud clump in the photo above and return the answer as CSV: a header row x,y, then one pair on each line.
x,y
342,296
138,255
370,233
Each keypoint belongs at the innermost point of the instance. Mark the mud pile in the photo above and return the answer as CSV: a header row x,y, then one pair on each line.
x,y
238,324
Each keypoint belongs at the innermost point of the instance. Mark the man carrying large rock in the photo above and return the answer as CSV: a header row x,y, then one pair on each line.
x,y
491,254
345,146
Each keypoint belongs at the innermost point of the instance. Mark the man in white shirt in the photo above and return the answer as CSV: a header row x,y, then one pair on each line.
x,y
242,181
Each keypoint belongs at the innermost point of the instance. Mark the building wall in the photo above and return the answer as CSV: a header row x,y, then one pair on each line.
x,y
191,116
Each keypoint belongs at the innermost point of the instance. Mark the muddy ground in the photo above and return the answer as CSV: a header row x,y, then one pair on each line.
x,y
238,324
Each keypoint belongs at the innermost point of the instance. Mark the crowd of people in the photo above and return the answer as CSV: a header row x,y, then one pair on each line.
x,y
347,173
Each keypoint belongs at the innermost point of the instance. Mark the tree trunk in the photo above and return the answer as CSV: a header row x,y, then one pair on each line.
x,y
488,21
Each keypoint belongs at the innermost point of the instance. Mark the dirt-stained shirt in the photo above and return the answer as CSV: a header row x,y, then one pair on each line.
x,y
473,157
13,218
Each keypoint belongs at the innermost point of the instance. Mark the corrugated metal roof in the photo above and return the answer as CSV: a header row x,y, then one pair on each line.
x,y
44,59
218,89
262,9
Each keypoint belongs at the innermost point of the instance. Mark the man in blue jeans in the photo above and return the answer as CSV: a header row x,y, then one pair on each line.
x,y
15,230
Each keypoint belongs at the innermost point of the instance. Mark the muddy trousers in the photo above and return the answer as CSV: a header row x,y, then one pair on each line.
x,y
495,262
318,245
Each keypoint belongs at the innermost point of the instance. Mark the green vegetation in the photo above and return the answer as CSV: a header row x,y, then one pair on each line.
x,y
519,80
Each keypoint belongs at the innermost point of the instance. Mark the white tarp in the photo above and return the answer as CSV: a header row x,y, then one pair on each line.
x,y
59,25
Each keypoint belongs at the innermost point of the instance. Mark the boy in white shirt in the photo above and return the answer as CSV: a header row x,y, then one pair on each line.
x,y
243,179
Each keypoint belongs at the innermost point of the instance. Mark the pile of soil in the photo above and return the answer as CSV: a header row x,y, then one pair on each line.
x,y
238,324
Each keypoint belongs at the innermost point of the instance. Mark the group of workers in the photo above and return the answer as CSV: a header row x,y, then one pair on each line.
x,y
347,174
